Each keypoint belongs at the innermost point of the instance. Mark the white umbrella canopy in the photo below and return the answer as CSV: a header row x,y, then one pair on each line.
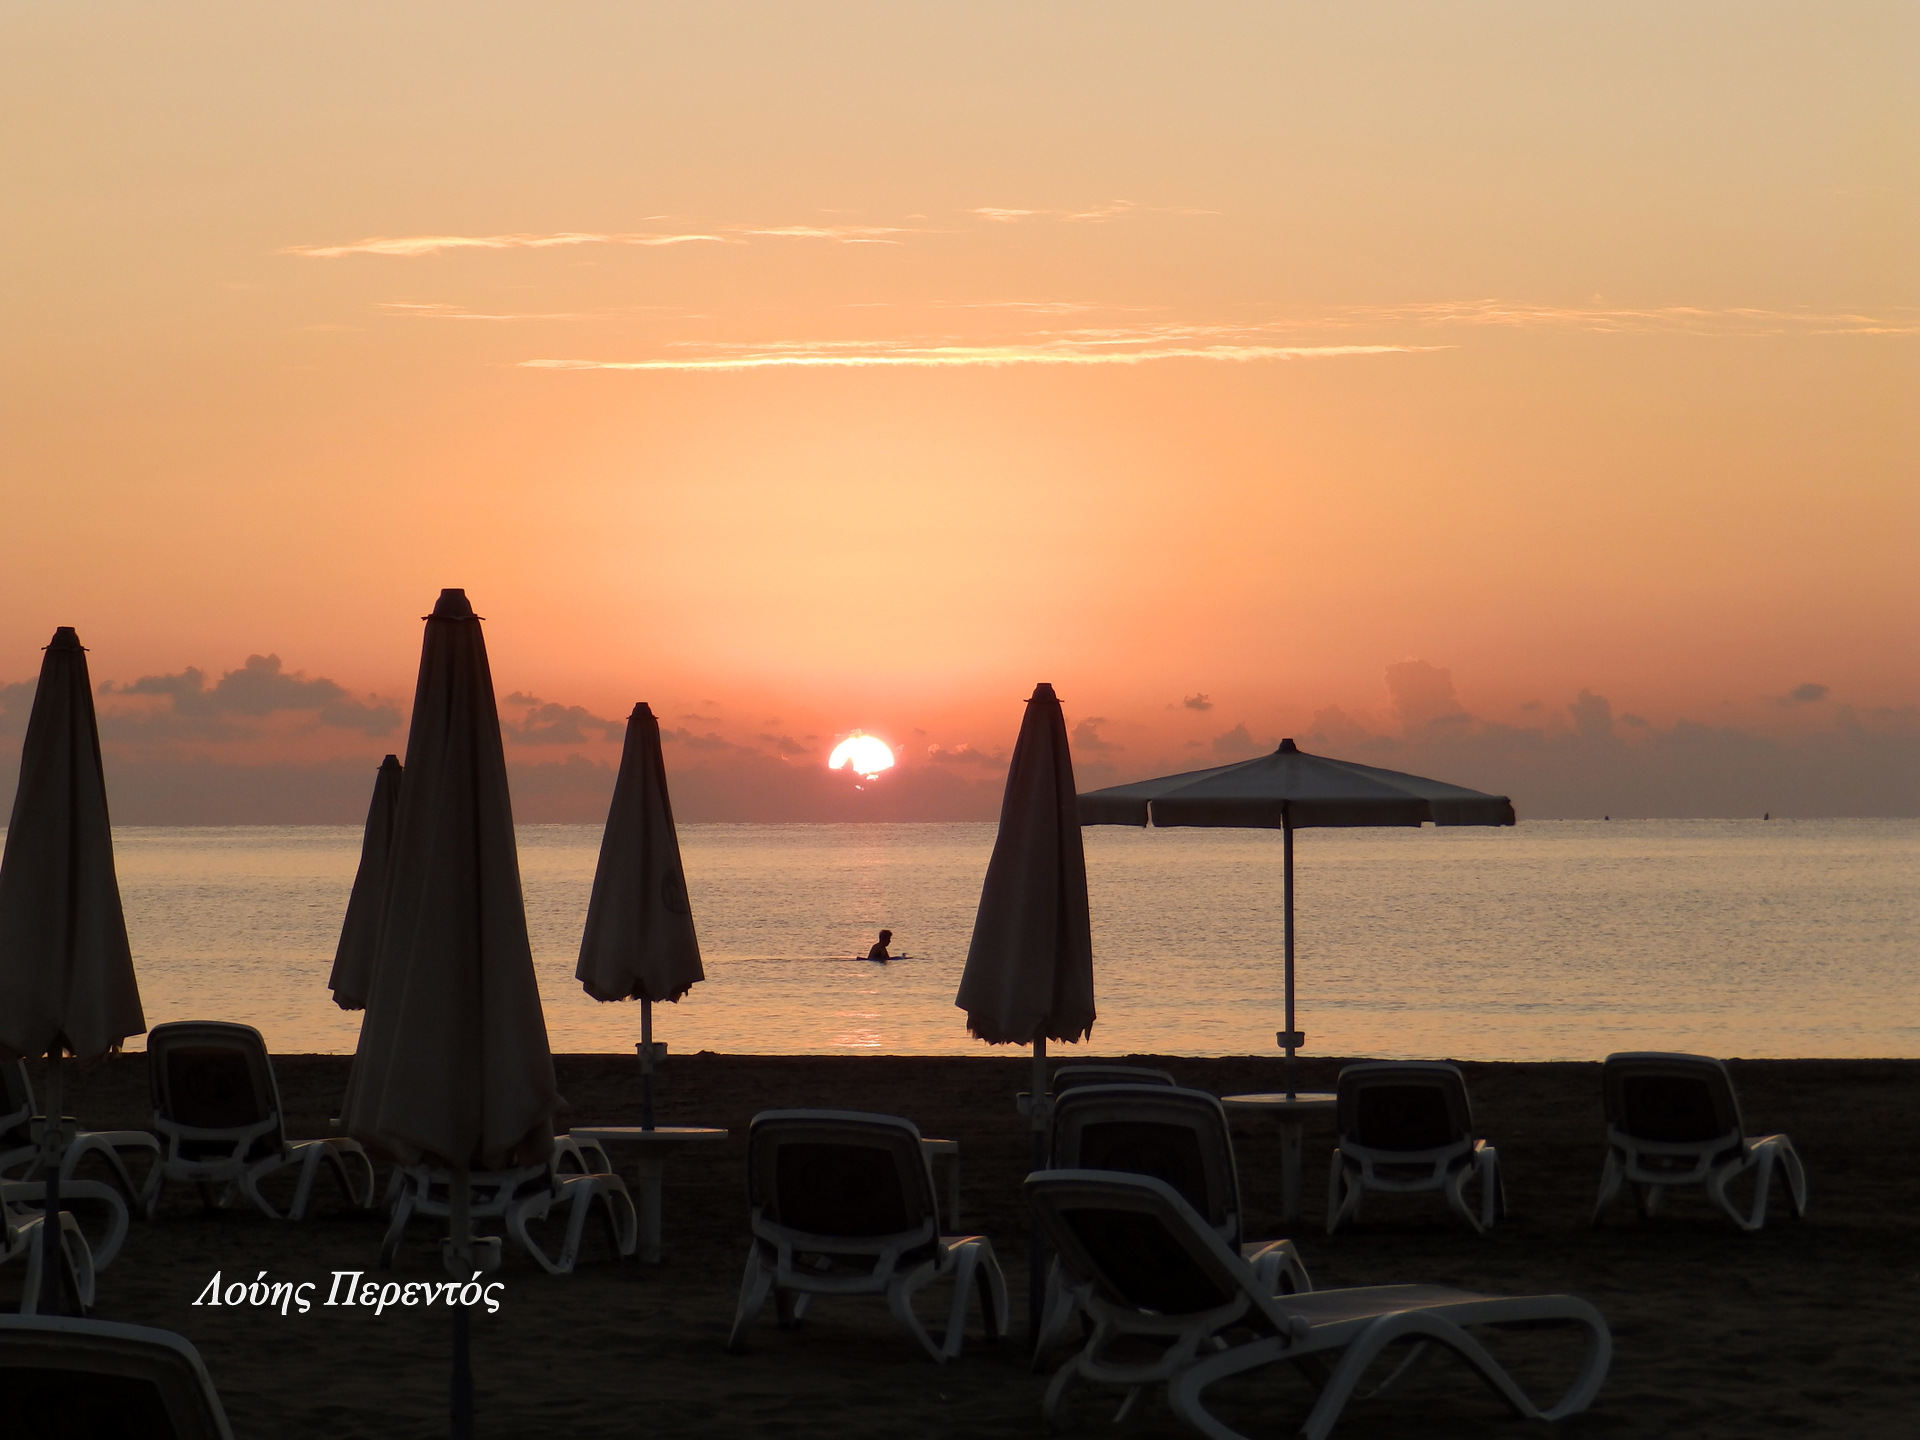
x,y
453,1066
639,942
1029,972
66,971
1290,790
359,946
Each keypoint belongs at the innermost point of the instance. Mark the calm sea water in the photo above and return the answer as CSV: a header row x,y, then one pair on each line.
x,y
1550,940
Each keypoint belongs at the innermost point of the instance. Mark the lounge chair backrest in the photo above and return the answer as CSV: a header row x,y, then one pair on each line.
x,y
213,1075
1141,1246
16,1105
841,1174
84,1378
1069,1077
1670,1098
1176,1135
1409,1106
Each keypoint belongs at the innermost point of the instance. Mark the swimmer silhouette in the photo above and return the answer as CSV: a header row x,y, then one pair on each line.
x,y
879,952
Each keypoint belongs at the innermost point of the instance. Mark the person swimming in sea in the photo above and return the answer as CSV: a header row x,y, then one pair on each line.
x,y
878,953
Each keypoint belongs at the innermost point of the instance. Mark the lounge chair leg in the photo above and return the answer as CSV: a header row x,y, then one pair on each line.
x,y
1611,1178
754,1285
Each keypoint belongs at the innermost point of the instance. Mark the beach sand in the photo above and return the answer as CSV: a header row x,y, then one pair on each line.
x,y
1808,1327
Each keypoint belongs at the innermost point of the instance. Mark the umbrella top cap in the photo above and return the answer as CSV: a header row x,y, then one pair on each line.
x,y
65,638
641,710
1042,691
453,605
1287,747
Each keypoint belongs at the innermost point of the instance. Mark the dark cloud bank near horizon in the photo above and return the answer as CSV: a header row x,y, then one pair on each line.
x,y
1580,761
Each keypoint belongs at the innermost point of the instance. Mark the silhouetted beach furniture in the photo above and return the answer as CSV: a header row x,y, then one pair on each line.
x,y
1175,1135
99,1380
1173,1303
22,1227
453,1072
520,1198
1068,1077
842,1203
1406,1127
639,941
1292,1109
652,1145
20,1152
1673,1119
1286,791
216,1108
66,973
1029,971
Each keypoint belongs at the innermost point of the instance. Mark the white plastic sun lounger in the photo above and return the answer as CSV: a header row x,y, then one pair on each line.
x,y
518,1198
216,1106
20,1229
1673,1120
67,1376
843,1203
1406,1127
20,1156
1179,1136
1172,1304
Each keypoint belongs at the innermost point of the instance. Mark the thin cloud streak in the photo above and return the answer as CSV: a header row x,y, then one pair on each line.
x,y
951,356
1740,321
413,246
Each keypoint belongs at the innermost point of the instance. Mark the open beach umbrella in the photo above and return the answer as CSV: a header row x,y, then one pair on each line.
x,y
1286,791
453,1068
1029,972
353,958
66,972
639,942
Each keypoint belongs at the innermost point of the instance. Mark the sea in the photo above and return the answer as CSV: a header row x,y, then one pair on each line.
x,y
1548,940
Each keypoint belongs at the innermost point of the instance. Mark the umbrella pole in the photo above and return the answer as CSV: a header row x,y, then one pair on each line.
x,y
1292,1037
1037,1242
459,1264
53,1250
646,1063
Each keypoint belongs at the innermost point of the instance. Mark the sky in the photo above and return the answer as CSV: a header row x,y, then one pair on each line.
x,y
1520,393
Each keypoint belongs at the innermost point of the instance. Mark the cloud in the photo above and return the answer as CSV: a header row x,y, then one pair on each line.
x,y
786,746
16,704
708,741
1422,693
1197,702
1577,765
424,311
549,724
1238,744
1609,319
258,689
412,247
892,354
1086,736
1113,210
1805,694
964,755
843,234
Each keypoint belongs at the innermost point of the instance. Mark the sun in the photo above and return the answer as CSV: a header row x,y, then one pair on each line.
x,y
865,755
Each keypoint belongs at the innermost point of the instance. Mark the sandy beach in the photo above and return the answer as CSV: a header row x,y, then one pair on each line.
x,y
1806,1327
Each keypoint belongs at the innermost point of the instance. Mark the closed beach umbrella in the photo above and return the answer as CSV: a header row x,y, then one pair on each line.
x,y
639,942
353,958
453,1068
1286,791
1029,972
66,972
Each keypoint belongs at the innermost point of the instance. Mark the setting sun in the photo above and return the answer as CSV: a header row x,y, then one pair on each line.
x,y
865,754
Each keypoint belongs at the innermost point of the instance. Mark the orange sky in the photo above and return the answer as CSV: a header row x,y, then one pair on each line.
x,y
1236,350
